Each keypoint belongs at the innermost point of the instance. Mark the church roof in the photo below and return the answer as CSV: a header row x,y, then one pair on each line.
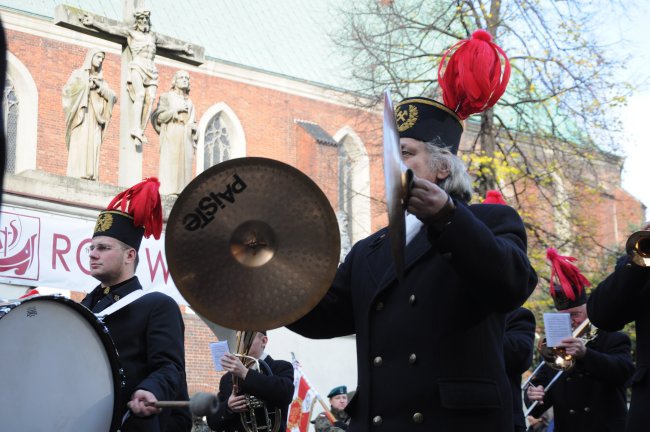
x,y
288,37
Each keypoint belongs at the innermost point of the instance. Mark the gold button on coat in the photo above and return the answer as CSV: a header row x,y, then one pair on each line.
x,y
379,306
377,420
378,361
413,358
418,418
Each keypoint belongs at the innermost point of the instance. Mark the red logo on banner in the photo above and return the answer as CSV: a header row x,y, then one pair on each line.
x,y
19,245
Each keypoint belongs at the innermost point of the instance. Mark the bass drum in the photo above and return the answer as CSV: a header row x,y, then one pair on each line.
x,y
59,367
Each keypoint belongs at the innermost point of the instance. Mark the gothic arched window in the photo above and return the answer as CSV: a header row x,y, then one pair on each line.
x,y
221,137
354,188
217,147
10,109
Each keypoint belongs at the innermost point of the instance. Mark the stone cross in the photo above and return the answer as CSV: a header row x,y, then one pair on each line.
x,y
139,77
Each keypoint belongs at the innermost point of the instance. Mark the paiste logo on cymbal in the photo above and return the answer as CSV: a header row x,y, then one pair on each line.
x,y
204,213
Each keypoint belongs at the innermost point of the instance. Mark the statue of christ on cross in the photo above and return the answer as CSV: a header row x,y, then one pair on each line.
x,y
139,76
142,81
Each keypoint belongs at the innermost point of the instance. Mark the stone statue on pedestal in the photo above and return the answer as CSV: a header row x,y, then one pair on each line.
x,y
88,105
175,120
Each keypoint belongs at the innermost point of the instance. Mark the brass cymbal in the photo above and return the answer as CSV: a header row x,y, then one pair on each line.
x,y
397,181
252,244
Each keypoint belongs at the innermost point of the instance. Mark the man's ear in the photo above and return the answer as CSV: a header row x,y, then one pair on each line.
x,y
130,255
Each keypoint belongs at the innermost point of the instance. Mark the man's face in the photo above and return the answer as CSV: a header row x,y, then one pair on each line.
x,y
416,157
339,401
578,315
108,259
258,345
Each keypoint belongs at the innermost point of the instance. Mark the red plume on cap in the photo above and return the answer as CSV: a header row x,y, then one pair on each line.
x,y
494,197
31,292
470,74
567,273
143,201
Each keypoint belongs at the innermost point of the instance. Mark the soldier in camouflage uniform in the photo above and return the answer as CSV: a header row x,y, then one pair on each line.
x,y
338,397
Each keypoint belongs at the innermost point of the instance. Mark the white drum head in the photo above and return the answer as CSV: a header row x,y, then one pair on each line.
x,y
56,373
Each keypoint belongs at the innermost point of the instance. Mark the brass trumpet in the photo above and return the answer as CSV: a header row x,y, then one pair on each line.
x,y
637,248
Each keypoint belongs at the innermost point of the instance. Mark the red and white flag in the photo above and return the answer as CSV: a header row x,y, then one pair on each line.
x,y
304,397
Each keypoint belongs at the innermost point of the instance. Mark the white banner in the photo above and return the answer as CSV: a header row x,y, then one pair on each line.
x,y
49,249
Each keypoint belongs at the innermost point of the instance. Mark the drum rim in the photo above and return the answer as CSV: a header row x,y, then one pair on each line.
x,y
107,342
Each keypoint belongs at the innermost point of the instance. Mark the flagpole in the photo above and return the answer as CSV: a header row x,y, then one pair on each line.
x,y
328,413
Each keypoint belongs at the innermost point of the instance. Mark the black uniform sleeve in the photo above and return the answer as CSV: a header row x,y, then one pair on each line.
x,y
519,341
617,299
165,349
223,419
544,376
491,241
614,363
336,303
276,389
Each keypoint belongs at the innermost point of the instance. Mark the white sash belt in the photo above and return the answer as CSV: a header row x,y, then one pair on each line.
x,y
124,301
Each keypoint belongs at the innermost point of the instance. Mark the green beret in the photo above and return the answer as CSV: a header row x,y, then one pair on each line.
x,y
338,391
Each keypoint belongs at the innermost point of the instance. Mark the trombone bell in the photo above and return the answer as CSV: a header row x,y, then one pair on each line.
x,y
637,248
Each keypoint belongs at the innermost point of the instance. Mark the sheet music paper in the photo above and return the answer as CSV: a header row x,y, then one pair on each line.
x,y
557,327
218,349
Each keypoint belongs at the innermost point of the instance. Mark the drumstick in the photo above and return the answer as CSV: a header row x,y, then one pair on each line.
x,y
201,404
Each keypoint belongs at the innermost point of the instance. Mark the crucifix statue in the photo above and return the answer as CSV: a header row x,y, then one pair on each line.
x,y
139,81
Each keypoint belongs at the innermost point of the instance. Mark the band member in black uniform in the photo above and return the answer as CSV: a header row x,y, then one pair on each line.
x,y
436,338
518,347
518,341
590,397
622,298
147,328
275,388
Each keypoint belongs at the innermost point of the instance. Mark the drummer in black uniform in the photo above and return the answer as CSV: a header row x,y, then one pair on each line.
x,y
147,328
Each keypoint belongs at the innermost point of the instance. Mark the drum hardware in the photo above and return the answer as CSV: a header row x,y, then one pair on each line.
x,y
397,181
200,404
637,248
65,351
556,358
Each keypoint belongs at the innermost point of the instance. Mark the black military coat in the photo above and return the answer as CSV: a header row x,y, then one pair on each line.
x,y
430,351
622,298
276,390
518,347
591,396
149,338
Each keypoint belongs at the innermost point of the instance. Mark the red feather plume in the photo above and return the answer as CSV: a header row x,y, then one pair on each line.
x,y
567,274
470,74
494,197
142,201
